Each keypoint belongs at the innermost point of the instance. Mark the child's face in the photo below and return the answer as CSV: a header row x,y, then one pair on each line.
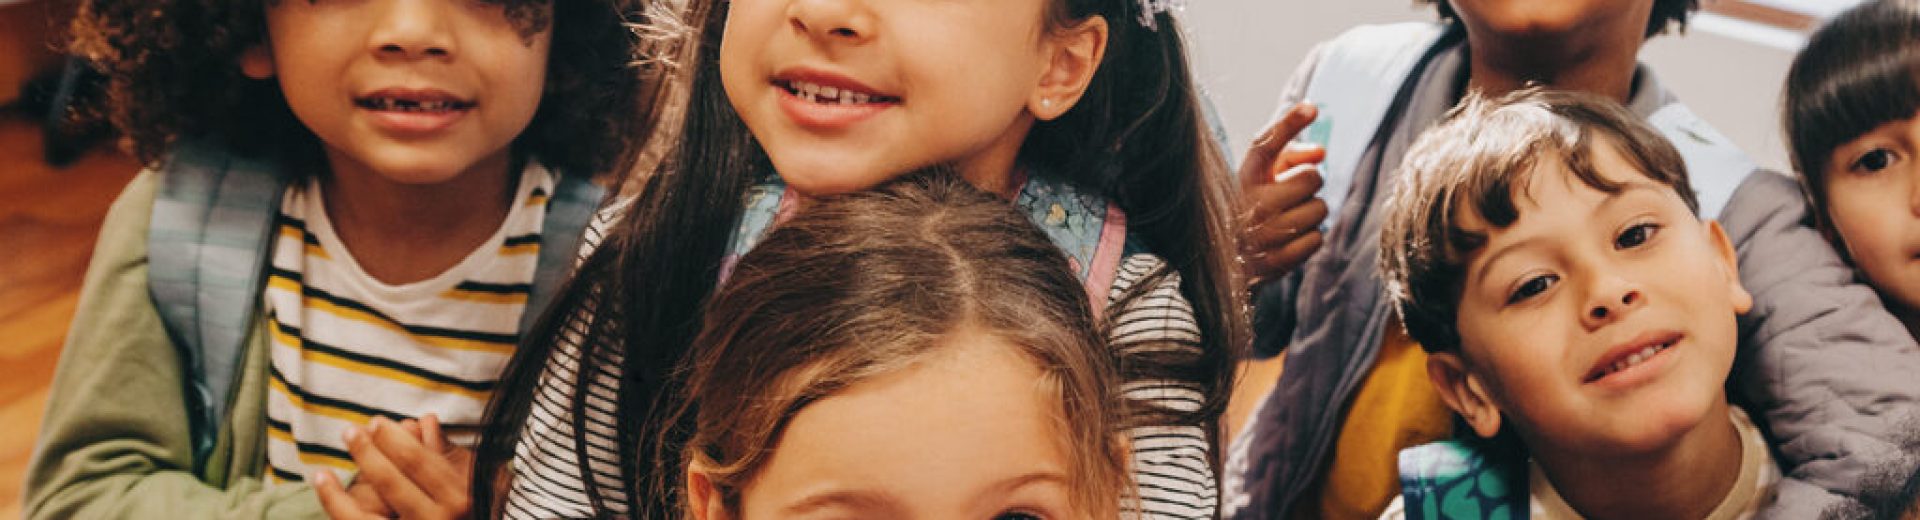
x,y
967,433
1597,322
1873,198
416,91
844,94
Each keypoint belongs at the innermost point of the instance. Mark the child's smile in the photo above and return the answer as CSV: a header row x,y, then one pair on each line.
x,y
417,92
846,94
410,112
1636,361
825,102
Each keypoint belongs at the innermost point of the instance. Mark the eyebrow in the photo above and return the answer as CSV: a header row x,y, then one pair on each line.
x,y
868,500
1632,186
853,499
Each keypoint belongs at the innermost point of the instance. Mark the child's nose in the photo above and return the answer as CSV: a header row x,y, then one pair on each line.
x,y
1611,305
1913,191
831,19
411,29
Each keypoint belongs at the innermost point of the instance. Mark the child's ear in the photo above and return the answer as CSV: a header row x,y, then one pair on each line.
x,y
1463,392
257,62
704,500
1742,301
1073,55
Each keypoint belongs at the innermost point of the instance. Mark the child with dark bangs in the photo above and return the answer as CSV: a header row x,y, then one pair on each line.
x,y
1853,118
351,212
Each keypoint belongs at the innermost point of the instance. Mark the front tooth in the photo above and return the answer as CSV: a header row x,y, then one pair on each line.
x,y
829,92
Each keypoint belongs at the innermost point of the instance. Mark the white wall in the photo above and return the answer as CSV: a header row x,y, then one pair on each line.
x,y
1244,50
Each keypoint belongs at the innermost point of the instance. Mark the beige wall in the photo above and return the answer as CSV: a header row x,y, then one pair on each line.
x,y
1244,50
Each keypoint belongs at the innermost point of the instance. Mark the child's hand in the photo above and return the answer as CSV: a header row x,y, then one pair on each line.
x,y
1280,216
410,466
359,497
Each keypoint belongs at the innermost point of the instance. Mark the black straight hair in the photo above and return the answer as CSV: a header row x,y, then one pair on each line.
x,y
1859,71
1137,135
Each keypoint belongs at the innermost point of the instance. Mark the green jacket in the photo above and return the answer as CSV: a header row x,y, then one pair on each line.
x,y
115,442
119,438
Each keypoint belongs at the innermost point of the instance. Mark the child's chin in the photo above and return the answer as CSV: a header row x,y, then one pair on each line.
x,y
818,180
421,175
1657,428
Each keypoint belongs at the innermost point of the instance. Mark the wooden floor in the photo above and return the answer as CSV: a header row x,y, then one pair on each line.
x,y
48,219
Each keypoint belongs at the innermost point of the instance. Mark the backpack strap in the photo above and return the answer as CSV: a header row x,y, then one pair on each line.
x,y
1359,77
207,248
1715,166
1456,480
1090,230
568,212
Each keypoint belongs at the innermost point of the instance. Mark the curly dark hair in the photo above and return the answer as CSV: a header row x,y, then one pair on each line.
x,y
172,69
1666,13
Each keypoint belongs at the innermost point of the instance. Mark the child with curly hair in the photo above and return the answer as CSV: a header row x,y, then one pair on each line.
x,y
350,214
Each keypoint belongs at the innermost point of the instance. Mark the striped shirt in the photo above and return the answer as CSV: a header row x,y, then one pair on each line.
x,y
1170,463
346,348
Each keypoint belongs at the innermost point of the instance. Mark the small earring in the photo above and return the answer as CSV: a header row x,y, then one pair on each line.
x,y
1046,103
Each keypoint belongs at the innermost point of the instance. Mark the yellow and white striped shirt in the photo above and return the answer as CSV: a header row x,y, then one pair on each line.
x,y
347,347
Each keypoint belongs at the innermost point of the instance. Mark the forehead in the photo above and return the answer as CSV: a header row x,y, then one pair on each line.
x,y
1550,193
944,432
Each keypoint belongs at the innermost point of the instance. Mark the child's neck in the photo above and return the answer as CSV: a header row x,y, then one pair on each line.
x,y
992,169
400,233
1605,70
1685,480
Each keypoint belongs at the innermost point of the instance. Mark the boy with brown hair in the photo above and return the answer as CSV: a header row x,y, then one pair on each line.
x,y
1545,249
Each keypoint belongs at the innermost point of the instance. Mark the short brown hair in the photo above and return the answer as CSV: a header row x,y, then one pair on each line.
x,y
1475,160
867,284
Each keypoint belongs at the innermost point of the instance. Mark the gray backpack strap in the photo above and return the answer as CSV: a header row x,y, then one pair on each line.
x,y
1355,85
207,248
1715,166
568,212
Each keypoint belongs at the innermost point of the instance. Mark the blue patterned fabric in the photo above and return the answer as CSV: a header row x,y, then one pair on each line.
x,y
1457,480
1073,219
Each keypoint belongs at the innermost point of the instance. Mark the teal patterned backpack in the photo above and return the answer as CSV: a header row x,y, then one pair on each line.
x,y
1462,479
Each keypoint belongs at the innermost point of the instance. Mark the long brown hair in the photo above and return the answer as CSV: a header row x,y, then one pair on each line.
x,y
1137,136
868,284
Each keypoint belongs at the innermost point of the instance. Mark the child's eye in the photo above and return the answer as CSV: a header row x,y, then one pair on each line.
x,y
1636,235
1873,161
1533,286
1016,515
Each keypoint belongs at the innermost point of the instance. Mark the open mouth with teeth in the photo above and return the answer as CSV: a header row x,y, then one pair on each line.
x,y
1630,360
829,95
394,104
